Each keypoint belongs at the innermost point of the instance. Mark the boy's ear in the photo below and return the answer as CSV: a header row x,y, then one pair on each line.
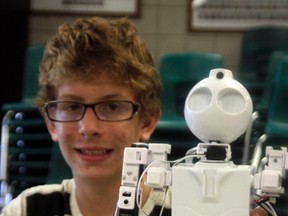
x,y
51,128
149,126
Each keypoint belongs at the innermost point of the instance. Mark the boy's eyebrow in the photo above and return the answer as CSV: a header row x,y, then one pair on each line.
x,y
113,96
103,98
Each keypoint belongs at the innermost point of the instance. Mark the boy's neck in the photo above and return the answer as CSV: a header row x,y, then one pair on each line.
x,y
97,198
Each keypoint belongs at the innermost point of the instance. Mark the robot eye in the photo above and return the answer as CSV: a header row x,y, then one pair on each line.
x,y
231,101
200,99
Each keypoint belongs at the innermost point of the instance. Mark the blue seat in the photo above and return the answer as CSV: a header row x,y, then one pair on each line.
x,y
58,168
258,44
277,123
33,57
179,72
260,114
274,65
262,108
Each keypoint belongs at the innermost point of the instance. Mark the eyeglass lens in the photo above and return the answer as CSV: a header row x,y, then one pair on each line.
x,y
106,111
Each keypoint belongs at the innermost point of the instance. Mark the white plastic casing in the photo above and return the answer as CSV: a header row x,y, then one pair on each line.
x,y
218,108
211,189
133,157
127,197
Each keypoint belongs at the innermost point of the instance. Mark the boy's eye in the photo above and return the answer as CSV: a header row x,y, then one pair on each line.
x,y
70,107
113,106
74,107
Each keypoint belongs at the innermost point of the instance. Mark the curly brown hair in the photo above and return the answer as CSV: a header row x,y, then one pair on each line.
x,y
114,45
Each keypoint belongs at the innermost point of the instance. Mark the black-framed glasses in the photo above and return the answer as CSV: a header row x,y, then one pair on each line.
x,y
69,111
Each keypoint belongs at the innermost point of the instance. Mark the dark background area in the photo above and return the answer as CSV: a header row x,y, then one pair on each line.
x,y
14,40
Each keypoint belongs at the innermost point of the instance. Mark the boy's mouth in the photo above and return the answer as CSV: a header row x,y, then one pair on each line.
x,y
94,152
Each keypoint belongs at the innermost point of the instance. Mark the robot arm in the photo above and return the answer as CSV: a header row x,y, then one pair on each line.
x,y
134,158
269,181
158,174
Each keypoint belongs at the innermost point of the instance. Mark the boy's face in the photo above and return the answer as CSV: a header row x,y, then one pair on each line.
x,y
94,148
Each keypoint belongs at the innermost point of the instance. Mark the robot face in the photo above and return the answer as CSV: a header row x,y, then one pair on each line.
x,y
218,108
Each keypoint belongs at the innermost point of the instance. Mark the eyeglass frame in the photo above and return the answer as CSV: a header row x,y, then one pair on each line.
x,y
135,109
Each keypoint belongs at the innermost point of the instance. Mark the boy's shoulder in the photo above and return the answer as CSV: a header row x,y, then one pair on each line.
x,y
53,198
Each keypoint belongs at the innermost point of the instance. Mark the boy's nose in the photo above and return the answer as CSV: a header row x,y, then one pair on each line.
x,y
89,123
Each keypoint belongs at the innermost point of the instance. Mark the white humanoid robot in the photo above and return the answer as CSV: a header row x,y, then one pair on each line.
x,y
218,110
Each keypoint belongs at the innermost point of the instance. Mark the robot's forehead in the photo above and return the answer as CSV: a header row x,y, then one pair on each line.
x,y
218,80
218,107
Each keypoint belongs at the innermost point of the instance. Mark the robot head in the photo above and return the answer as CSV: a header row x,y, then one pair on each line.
x,y
218,108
